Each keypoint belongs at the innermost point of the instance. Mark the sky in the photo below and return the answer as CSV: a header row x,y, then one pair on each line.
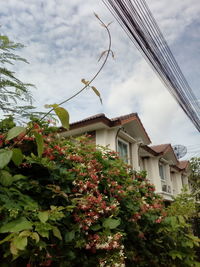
x,y
63,41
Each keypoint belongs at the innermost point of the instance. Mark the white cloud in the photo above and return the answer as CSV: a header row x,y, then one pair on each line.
x,y
64,41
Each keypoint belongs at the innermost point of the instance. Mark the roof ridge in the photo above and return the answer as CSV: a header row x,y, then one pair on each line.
x,y
161,145
89,118
124,116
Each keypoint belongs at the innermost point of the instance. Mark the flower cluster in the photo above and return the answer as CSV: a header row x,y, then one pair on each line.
x,y
104,242
90,208
112,245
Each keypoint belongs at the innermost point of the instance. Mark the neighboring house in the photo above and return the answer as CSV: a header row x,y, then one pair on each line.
x,y
163,169
127,136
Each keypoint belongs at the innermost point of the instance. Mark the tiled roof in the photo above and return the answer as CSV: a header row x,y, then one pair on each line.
x,y
183,164
100,115
124,117
164,148
161,148
150,150
121,120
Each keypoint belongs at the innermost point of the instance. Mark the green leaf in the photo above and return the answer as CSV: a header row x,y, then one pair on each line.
x,y
43,216
16,226
17,177
13,249
175,254
25,233
44,233
95,227
69,236
63,116
15,131
6,178
111,223
56,232
40,143
7,238
35,236
20,242
5,157
188,243
17,156
181,219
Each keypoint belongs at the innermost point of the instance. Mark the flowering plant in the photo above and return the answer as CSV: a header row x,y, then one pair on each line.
x,y
75,204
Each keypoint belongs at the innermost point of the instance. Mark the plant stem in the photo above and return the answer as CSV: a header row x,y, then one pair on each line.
x,y
82,89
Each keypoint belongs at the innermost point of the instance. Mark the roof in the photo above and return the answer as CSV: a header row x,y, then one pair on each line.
x,y
91,118
150,150
113,122
183,164
161,149
164,149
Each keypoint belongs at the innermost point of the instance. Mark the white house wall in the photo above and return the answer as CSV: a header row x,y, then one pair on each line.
x,y
184,179
106,137
151,166
135,156
173,178
176,182
168,177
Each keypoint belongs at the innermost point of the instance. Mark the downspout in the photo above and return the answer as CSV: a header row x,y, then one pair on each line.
x,y
116,146
139,144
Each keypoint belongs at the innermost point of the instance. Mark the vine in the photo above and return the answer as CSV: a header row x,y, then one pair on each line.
x,y
60,111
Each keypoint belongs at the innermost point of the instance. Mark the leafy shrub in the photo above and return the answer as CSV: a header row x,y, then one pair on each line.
x,y
70,203
184,204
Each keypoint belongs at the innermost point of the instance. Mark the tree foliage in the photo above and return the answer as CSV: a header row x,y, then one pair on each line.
x,y
13,92
184,204
194,177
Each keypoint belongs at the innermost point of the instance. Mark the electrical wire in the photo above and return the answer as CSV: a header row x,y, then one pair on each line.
x,y
137,21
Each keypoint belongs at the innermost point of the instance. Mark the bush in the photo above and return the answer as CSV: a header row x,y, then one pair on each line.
x,y
80,205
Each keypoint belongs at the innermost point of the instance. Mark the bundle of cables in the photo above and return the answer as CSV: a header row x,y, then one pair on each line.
x,y
136,19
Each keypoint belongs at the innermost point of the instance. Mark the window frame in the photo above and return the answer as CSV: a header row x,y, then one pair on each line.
x,y
162,177
124,142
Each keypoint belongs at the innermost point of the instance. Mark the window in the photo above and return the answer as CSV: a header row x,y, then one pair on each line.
x,y
162,172
123,149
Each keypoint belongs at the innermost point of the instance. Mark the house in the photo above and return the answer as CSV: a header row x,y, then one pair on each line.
x,y
164,169
127,135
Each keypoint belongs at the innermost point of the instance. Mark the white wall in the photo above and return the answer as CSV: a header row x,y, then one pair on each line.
x,y
151,166
135,156
107,137
176,182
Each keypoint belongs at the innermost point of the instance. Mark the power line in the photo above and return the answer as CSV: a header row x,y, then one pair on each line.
x,y
136,19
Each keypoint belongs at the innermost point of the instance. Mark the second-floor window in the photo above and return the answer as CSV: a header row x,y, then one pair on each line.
x,y
162,172
123,150
166,187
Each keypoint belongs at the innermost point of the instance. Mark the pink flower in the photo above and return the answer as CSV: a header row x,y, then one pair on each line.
x,y
158,220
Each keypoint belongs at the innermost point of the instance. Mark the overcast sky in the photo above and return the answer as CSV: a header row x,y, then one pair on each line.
x,y
63,41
